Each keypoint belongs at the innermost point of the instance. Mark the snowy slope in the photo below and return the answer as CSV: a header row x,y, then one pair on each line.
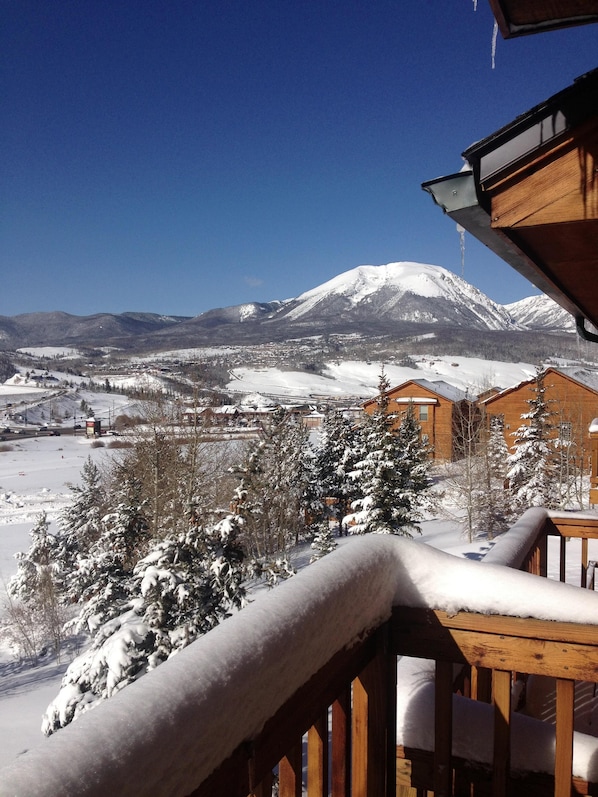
x,y
404,291
540,312
354,378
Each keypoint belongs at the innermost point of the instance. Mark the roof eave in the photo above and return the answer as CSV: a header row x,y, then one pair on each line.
x,y
542,21
456,195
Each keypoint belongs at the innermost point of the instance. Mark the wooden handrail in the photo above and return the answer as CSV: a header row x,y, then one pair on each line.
x,y
341,715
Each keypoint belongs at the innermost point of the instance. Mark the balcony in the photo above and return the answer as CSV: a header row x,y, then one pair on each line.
x,y
302,687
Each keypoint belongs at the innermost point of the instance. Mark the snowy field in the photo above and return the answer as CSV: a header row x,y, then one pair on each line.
x,y
358,378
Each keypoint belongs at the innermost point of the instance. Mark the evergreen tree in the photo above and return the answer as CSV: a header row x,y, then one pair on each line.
x,y
323,542
495,506
34,590
275,493
335,461
416,463
184,586
80,522
531,465
388,503
102,578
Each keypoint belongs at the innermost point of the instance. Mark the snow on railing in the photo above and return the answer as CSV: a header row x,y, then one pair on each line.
x,y
532,740
165,733
512,548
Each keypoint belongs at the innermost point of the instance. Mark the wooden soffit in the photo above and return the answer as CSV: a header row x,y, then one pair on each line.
x,y
522,17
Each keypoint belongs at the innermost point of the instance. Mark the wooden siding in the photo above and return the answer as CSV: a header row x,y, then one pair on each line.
x,y
571,402
440,421
556,187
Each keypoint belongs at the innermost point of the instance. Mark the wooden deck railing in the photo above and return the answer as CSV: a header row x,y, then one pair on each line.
x,y
334,731
358,760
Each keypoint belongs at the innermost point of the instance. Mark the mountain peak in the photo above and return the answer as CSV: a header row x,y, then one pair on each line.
x,y
402,291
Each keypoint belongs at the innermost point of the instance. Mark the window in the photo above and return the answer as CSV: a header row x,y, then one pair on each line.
x,y
566,431
423,412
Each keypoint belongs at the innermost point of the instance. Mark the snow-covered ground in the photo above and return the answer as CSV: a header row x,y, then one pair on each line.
x,y
360,379
35,474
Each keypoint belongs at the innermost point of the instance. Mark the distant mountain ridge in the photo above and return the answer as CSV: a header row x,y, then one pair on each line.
x,y
540,312
402,298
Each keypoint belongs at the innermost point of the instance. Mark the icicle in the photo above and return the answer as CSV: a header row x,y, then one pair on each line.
x,y
494,38
461,231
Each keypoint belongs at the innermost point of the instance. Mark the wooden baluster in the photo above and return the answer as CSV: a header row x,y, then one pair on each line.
x,y
501,697
565,696
373,774
443,730
341,745
543,553
290,771
562,571
317,758
584,562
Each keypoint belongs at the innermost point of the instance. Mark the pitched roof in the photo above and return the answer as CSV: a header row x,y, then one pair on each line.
x,y
583,376
443,389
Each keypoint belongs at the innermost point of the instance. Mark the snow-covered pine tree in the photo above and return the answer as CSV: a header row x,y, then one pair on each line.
x,y
323,541
185,585
80,522
34,591
385,505
416,463
274,493
495,510
101,581
531,465
334,462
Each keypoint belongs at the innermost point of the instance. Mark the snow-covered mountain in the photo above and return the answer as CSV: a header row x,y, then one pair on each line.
x,y
540,312
405,291
398,299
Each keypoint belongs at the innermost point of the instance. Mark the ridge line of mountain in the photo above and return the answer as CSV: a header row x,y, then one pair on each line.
x,y
401,298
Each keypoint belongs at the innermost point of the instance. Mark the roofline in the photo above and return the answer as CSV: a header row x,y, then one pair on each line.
x,y
510,29
418,383
519,385
457,194
538,127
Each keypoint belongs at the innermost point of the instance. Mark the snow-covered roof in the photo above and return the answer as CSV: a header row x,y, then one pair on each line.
x,y
588,377
442,389
153,738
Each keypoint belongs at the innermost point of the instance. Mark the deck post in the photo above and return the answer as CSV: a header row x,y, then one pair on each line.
x,y
501,697
443,730
565,694
290,773
317,758
374,726
341,745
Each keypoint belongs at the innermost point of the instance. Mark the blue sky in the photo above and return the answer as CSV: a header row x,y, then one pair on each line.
x,y
176,156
